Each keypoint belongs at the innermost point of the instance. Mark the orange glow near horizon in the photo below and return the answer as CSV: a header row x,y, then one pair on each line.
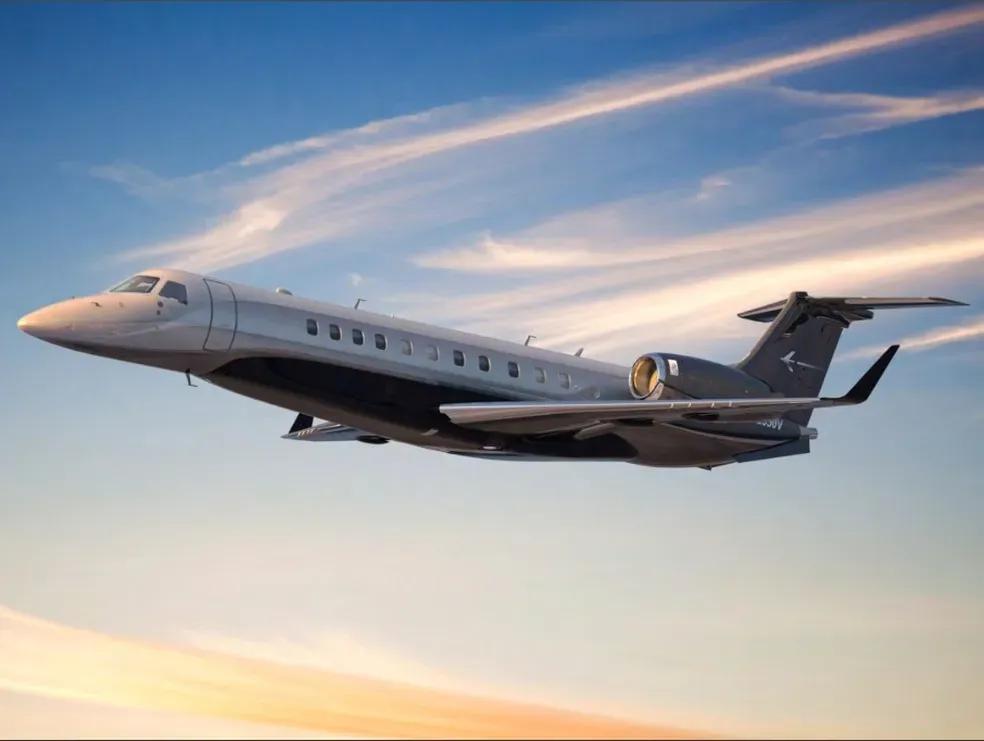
x,y
53,660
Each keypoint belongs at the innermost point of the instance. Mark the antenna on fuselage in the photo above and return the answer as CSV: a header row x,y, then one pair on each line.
x,y
578,353
357,302
528,338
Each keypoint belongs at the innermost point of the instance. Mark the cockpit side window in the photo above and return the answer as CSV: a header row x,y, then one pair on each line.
x,y
176,291
136,284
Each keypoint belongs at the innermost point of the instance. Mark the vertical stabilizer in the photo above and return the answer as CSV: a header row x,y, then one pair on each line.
x,y
793,355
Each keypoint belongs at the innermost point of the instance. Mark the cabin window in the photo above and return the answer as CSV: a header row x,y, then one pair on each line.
x,y
406,347
432,353
483,363
565,380
176,291
312,327
357,337
334,332
513,369
459,357
380,341
540,375
136,284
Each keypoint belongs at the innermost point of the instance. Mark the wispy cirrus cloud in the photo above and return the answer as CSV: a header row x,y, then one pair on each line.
x,y
876,112
712,184
606,98
638,284
971,330
54,660
628,233
348,183
613,322
399,125
331,650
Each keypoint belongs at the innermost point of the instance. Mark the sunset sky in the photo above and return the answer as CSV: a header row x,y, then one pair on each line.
x,y
623,177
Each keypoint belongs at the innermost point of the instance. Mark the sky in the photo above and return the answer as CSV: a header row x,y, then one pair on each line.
x,y
622,177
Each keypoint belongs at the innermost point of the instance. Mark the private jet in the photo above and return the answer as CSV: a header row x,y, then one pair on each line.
x,y
379,378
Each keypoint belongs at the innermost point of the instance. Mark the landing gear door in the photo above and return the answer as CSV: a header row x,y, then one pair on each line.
x,y
222,328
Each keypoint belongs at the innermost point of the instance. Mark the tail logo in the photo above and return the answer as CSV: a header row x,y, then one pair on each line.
x,y
789,361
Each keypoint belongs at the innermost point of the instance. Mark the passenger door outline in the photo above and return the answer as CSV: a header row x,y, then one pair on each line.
x,y
224,317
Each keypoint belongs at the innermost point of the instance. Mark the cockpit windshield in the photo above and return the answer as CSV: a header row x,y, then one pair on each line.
x,y
136,284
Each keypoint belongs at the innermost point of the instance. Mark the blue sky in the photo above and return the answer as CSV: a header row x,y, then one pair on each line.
x,y
624,177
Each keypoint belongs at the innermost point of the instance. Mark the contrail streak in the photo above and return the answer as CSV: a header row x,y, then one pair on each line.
x,y
612,98
319,198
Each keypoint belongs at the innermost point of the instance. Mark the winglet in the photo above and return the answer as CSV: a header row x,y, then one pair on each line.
x,y
860,392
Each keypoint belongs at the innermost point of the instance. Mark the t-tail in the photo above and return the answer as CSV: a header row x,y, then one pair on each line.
x,y
793,355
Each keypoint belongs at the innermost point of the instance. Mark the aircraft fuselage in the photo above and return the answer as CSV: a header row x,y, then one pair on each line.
x,y
376,373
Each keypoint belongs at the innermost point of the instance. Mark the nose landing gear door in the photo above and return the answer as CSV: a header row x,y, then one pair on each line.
x,y
225,317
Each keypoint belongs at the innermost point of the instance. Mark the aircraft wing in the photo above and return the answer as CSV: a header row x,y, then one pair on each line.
x,y
541,417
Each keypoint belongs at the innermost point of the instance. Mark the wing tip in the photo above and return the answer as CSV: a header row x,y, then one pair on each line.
x,y
861,390
947,301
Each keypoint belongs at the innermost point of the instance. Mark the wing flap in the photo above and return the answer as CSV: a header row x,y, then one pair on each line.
x,y
540,417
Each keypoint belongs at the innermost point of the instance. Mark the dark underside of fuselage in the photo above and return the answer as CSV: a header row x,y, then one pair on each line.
x,y
407,410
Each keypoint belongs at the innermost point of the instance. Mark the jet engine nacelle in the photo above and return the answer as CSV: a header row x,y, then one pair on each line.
x,y
664,376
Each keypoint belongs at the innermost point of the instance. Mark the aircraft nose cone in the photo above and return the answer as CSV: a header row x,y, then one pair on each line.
x,y
32,324
50,323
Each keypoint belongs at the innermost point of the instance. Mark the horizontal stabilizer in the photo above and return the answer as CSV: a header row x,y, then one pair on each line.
x,y
848,309
305,429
